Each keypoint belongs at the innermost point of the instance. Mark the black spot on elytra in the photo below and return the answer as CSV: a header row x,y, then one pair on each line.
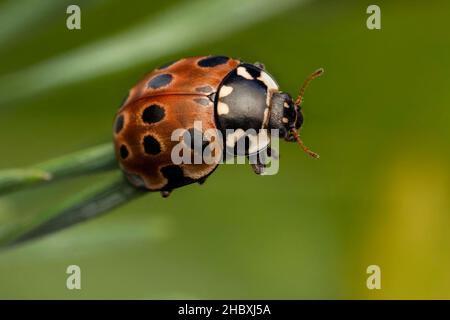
x,y
204,89
166,65
213,61
159,81
175,177
202,101
118,126
123,152
153,113
172,173
151,145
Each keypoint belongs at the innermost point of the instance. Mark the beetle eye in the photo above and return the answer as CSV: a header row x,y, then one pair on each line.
x,y
299,121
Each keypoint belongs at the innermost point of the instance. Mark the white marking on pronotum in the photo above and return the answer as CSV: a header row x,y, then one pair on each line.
x,y
285,120
244,73
225,91
266,117
222,108
270,84
268,81
286,105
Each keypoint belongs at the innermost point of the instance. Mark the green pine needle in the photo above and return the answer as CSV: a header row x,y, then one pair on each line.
x,y
86,205
96,159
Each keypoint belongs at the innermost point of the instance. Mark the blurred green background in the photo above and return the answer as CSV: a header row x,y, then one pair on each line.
x,y
379,117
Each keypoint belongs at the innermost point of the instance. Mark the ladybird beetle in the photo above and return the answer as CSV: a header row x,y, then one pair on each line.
x,y
221,92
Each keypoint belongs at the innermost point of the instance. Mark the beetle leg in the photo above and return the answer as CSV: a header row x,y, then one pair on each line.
x,y
257,165
259,65
272,153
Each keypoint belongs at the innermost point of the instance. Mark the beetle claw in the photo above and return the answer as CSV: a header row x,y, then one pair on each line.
x,y
165,193
258,168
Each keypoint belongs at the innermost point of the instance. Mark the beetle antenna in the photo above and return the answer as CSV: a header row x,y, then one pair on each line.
x,y
311,77
305,148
